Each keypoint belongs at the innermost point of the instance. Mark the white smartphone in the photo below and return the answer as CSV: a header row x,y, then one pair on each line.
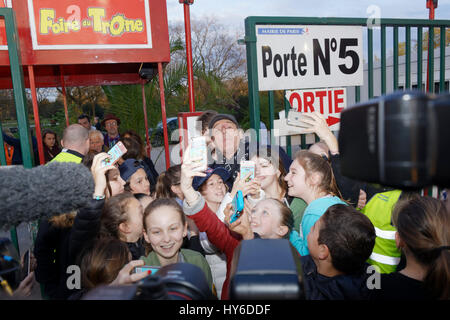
x,y
246,167
115,152
296,119
199,153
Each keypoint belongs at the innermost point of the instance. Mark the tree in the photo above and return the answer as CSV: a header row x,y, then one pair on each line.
x,y
214,49
77,97
217,59
425,38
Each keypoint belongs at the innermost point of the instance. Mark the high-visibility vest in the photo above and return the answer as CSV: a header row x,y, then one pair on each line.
x,y
385,254
9,152
65,156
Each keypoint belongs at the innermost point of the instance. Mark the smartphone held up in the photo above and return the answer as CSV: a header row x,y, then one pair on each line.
x,y
199,153
115,153
238,206
246,168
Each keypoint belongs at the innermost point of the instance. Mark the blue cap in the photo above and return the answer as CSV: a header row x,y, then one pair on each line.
x,y
221,172
128,168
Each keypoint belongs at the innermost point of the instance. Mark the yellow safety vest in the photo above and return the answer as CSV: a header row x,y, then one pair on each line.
x,y
64,156
385,255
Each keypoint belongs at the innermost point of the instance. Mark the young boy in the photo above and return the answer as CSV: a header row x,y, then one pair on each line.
x,y
339,244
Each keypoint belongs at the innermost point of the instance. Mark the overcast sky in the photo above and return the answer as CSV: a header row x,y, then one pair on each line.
x,y
233,12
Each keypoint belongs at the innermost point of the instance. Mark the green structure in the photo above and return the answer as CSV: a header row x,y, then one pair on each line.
x,y
383,24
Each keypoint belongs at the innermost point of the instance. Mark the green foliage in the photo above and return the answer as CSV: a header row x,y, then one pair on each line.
x,y
244,114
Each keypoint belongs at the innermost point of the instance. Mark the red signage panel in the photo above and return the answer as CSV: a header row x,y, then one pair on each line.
x,y
75,32
3,42
93,24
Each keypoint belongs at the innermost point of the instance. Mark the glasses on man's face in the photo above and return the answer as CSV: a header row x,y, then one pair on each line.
x,y
111,124
224,129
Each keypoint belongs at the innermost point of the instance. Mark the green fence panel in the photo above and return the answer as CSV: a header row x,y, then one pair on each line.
x,y
19,95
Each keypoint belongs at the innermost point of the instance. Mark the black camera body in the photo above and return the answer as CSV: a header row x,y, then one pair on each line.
x,y
178,281
266,269
398,140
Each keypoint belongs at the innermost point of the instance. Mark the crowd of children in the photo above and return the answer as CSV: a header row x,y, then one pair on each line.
x,y
139,217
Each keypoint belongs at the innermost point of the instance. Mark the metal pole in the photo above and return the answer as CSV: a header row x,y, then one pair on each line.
x,y
431,5
190,70
163,113
144,105
36,114
63,87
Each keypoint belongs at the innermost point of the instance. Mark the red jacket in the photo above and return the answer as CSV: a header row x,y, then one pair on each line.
x,y
220,236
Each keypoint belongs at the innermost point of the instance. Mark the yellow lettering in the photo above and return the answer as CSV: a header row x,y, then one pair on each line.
x,y
105,27
119,21
75,26
129,25
139,27
56,28
47,16
97,14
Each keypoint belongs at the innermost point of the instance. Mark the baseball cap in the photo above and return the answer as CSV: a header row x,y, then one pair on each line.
x,y
221,172
222,116
128,168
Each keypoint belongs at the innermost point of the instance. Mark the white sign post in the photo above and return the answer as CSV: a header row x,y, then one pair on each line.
x,y
301,57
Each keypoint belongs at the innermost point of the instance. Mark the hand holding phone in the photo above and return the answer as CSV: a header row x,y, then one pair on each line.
x,y
150,270
238,206
246,167
296,119
26,268
115,152
199,153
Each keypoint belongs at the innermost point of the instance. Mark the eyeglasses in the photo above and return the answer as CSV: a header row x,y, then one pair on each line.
x,y
111,124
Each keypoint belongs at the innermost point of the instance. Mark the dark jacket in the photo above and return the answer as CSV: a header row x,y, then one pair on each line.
x,y
342,287
17,158
58,246
151,172
49,154
137,249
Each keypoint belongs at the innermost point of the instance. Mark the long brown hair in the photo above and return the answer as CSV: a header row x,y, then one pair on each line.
x,y
114,213
102,261
311,163
423,224
167,179
270,154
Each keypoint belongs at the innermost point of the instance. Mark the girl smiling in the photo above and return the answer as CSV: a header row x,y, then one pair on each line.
x,y
165,226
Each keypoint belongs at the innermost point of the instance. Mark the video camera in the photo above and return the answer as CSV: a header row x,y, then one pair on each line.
x,y
266,269
179,281
262,269
399,140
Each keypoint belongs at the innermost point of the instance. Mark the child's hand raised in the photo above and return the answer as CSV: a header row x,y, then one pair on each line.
x,y
241,225
251,187
189,170
99,172
319,125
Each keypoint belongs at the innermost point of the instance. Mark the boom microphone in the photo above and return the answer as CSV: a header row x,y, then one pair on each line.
x,y
41,192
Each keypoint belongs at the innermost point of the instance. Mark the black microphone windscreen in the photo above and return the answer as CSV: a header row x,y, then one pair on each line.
x,y
41,192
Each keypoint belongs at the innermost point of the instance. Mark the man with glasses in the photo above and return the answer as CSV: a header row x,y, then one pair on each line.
x,y
112,136
230,147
